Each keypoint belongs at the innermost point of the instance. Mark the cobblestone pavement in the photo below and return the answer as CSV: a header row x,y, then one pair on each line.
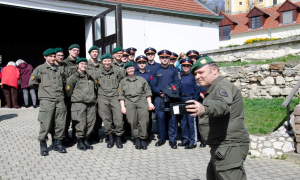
x,y
20,159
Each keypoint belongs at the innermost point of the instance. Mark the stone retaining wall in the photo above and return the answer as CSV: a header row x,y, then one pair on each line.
x,y
264,81
257,51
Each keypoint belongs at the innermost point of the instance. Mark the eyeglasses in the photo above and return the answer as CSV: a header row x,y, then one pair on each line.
x,y
75,50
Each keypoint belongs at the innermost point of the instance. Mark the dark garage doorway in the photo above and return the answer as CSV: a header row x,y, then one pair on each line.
x,y
26,33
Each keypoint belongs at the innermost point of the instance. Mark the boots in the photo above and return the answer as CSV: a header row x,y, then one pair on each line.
x,y
44,151
137,143
144,144
59,147
119,142
67,141
202,145
87,144
111,141
81,145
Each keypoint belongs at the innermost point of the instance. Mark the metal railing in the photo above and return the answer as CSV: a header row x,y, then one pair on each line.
x,y
287,101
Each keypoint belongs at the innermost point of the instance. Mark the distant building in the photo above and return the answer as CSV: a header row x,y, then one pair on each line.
x,y
273,22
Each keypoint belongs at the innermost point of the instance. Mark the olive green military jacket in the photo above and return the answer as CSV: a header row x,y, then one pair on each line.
x,y
116,64
71,66
81,88
93,68
49,80
223,120
134,89
108,81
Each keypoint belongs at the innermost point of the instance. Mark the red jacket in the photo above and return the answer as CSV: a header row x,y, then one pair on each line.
x,y
10,76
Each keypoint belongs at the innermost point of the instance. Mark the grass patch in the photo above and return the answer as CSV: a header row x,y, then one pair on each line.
x,y
263,116
287,58
231,45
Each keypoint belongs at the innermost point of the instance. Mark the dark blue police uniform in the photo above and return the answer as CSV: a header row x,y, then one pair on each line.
x,y
161,78
150,68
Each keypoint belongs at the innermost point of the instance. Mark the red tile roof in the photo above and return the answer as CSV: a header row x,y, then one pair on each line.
x,y
271,22
178,5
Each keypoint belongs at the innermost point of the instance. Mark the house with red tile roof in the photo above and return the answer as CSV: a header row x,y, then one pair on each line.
x,y
273,22
176,25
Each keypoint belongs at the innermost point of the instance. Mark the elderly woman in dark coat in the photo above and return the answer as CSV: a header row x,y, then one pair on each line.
x,y
25,73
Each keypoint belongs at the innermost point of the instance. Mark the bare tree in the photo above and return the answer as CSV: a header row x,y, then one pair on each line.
x,y
214,5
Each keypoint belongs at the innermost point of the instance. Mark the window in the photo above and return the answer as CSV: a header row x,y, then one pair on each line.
x,y
240,3
287,17
255,22
274,2
224,32
261,0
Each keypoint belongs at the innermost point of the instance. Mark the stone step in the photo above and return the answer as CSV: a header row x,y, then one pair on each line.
x,y
293,157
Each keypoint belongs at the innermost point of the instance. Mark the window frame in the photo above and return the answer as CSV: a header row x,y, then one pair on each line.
x,y
241,3
275,3
291,16
256,18
221,32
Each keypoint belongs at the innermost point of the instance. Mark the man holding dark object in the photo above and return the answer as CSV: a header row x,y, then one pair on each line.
x,y
221,122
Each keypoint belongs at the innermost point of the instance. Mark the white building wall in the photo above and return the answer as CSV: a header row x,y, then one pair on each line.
x,y
280,32
140,30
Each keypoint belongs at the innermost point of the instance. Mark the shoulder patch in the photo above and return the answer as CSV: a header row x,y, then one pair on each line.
x,y
96,81
223,93
67,88
32,77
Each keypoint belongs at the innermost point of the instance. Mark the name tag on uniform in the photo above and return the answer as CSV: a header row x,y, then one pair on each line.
x,y
159,75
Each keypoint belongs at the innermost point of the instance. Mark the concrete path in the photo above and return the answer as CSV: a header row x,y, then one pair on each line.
x,y
20,159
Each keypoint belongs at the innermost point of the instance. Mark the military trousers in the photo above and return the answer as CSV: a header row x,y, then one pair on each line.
x,y
84,116
110,112
189,126
137,116
52,115
226,162
163,118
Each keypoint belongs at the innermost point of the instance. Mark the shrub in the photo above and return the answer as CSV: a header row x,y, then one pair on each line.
x,y
258,40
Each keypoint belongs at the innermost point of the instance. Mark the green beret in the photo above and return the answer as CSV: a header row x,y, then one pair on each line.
x,y
116,49
106,56
201,62
81,59
74,46
58,49
93,48
128,64
49,51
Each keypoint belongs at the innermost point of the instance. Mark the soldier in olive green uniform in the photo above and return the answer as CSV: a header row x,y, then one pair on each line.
x,y
81,88
108,79
49,79
70,68
117,54
93,67
221,122
135,99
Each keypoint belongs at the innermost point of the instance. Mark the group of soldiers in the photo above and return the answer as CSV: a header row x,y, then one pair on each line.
x,y
121,89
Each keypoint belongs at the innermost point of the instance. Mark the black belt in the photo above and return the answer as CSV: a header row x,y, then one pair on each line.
x,y
187,95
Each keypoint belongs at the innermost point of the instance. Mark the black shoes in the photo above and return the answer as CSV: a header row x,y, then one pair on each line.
x,y
173,144
87,144
202,145
26,106
59,147
119,142
34,106
190,146
44,151
183,144
160,143
81,145
111,141
144,144
138,143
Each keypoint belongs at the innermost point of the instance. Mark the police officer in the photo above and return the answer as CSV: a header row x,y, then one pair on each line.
x,y
201,56
141,71
92,68
189,91
221,122
49,79
70,61
117,57
132,52
135,99
173,59
81,88
151,65
108,79
192,54
162,77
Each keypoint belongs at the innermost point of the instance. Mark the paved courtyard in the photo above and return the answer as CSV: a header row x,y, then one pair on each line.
x,y
20,159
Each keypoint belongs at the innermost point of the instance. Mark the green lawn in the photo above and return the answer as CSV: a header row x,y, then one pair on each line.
x,y
287,58
263,116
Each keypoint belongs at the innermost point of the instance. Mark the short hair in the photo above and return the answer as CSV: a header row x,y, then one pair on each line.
x,y
20,61
11,63
214,64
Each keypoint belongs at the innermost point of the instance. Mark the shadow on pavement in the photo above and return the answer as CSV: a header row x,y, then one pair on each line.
x,y
7,116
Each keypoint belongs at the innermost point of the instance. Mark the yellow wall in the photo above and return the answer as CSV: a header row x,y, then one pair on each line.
x,y
245,6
